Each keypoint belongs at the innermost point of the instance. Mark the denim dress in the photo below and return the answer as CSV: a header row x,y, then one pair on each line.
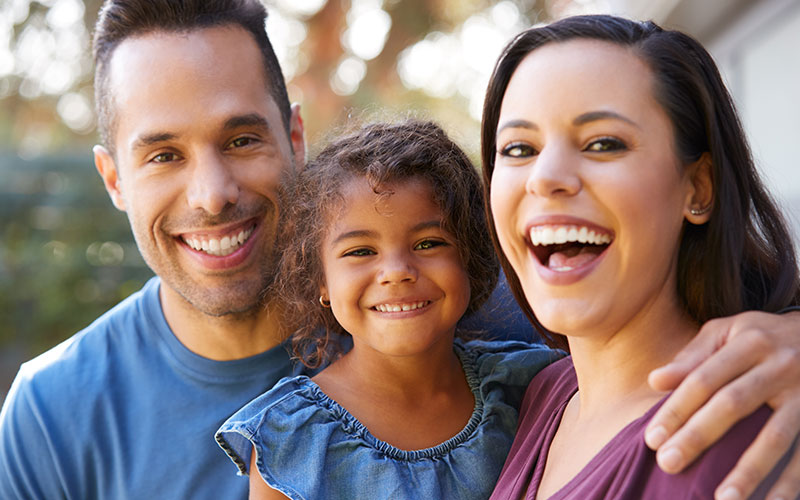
x,y
309,447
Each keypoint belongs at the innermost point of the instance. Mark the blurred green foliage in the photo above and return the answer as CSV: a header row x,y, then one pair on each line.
x,y
66,254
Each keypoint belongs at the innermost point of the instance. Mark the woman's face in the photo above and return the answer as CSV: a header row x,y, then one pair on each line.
x,y
588,194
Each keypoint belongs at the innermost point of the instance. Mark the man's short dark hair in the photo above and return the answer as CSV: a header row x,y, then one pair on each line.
x,y
119,20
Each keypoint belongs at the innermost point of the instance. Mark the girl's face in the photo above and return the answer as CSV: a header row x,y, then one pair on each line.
x,y
588,194
393,275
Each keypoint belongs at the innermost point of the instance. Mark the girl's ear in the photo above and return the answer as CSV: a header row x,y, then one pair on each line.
x,y
324,298
700,198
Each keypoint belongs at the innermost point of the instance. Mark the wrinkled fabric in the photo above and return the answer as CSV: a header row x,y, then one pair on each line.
x,y
625,468
309,447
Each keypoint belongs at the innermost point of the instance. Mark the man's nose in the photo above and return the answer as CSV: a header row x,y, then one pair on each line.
x,y
212,185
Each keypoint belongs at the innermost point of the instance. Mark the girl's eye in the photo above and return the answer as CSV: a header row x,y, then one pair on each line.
x,y
164,158
518,150
359,252
428,244
606,145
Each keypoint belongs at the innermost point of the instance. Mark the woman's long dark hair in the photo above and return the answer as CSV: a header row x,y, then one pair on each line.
x,y
743,257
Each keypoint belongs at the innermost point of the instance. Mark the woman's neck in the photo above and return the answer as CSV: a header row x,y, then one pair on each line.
x,y
612,370
614,367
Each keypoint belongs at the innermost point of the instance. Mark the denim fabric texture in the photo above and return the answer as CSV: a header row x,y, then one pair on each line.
x,y
309,447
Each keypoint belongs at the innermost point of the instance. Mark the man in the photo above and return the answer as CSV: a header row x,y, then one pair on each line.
x,y
199,141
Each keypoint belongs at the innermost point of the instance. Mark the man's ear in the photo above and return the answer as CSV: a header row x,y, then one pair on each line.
x,y
107,169
297,137
700,199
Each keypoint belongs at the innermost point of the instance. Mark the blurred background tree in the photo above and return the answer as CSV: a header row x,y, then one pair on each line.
x,y
66,255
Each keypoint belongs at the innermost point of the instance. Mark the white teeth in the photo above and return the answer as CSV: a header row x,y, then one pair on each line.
x,y
556,235
219,247
400,307
583,234
561,235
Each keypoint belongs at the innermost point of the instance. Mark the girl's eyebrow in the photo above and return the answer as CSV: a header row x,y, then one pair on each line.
x,y
358,233
435,223
366,233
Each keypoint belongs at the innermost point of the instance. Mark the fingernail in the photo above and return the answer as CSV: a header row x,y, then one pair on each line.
x,y
670,460
730,493
655,437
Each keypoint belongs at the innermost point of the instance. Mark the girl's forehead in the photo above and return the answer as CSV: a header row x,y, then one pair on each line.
x,y
401,202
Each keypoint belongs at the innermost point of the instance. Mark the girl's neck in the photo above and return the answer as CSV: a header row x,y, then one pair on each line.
x,y
411,402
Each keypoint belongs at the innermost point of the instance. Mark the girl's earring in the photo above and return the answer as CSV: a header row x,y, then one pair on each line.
x,y
324,302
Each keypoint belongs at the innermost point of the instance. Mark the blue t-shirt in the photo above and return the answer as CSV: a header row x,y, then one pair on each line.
x,y
124,410
309,447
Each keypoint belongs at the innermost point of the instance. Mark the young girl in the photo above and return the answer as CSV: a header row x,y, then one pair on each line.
x,y
629,211
387,242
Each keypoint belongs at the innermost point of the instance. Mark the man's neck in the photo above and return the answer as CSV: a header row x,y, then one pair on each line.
x,y
221,338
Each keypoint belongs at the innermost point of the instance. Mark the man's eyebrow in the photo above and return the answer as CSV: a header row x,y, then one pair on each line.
x,y
518,124
248,120
146,140
592,116
358,233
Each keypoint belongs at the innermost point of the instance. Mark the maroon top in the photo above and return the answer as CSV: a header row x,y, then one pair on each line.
x,y
625,468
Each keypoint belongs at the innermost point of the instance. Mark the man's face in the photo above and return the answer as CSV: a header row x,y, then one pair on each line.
x,y
201,152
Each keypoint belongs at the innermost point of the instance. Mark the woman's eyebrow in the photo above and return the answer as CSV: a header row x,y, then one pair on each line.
x,y
592,116
518,124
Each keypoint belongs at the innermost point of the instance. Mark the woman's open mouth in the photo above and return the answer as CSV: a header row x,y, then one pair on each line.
x,y
562,248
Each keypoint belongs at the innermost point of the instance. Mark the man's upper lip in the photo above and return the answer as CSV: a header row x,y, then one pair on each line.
x,y
217,231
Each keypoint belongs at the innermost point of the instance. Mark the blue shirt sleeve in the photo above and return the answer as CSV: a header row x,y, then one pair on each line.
x,y
26,470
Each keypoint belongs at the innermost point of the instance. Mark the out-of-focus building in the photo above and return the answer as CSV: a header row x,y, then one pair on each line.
x,y
757,46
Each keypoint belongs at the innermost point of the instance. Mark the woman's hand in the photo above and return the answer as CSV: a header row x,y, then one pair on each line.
x,y
733,366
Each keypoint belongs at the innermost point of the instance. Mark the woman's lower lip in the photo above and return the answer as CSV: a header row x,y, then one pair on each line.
x,y
565,276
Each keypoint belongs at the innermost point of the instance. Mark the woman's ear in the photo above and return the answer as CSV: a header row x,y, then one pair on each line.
x,y
700,199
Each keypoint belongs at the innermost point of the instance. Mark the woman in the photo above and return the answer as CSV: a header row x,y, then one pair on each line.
x,y
629,212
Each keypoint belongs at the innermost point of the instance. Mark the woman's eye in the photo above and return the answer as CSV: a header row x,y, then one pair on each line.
x,y
359,252
606,145
428,244
518,150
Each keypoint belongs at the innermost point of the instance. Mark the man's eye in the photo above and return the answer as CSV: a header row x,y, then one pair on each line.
x,y
359,252
606,145
518,150
241,142
428,244
164,158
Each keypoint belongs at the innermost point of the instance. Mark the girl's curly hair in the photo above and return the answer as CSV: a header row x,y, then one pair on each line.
x,y
382,154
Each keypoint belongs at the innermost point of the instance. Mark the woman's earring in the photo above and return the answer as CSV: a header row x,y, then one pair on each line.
x,y
324,302
701,211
